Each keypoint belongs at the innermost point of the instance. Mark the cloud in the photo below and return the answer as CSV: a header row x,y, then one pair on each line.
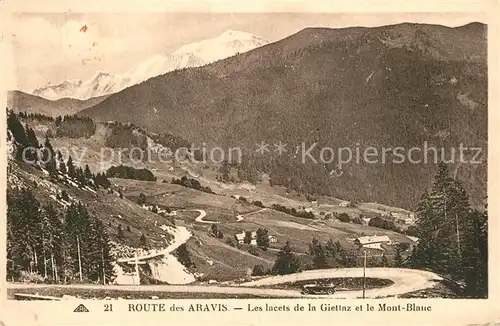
x,y
50,50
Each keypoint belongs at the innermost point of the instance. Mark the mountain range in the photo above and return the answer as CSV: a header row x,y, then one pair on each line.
x,y
391,86
195,54
23,102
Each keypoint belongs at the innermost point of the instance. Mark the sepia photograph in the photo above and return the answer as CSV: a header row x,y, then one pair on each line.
x,y
234,155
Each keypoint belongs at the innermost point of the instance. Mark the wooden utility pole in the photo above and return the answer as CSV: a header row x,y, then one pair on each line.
x,y
458,236
79,258
364,275
103,267
136,262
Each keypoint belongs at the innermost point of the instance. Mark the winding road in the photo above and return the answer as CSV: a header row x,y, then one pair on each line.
x,y
405,280
203,214
181,235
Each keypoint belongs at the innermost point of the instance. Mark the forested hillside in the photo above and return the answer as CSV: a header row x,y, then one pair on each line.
x,y
386,87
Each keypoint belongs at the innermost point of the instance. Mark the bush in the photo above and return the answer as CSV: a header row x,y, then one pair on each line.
x,y
258,270
379,222
191,183
127,172
344,217
230,242
182,254
412,231
27,277
293,211
404,246
258,203
142,199
357,220
254,251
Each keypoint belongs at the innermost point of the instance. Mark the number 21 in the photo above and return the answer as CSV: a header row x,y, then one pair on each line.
x,y
108,307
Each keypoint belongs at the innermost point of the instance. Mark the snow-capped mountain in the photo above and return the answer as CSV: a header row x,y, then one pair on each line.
x,y
195,54
53,92
100,84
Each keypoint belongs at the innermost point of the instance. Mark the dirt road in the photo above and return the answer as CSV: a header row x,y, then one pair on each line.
x,y
405,280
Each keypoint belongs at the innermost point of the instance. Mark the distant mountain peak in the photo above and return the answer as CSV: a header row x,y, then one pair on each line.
x,y
227,44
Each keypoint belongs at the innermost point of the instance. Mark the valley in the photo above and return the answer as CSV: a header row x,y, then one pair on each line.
x,y
95,208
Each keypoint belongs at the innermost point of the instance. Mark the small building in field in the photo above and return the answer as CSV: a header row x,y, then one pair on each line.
x,y
240,238
273,239
373,241
345,204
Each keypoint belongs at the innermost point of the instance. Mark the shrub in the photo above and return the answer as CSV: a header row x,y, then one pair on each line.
x,y
293,211
27,277
183,255
258,270
230,242
254,251
258,203
412,231
127,172
191,183
379,222
344,217
142,199
357,220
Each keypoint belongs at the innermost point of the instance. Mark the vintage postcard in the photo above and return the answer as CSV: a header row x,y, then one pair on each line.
x,y
265,163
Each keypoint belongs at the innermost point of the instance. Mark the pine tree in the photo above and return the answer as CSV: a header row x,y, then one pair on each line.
x,y
248,237
23,239
384,261
443,217
51,241
87,174
17,129
31,137
142,199
62,165
49,157
258,270
475,255
31,154
318,254
398,259
143,240
286,262
262,238
183,255
346,258
80,178
71,167
332,248
225,169
121,235
18,132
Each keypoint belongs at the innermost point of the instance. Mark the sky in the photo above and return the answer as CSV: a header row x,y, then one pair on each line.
x,y
50,48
